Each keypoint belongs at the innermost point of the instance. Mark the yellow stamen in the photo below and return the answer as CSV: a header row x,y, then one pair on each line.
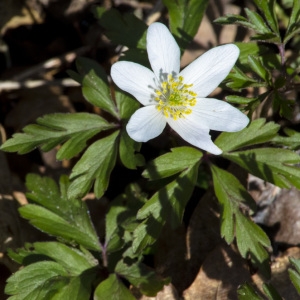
x,y
175,98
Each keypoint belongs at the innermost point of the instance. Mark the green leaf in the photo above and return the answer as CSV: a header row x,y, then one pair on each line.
x,y
256,133
291,141
259,25
127,149
95,86
37,281
247,292
295,274
250,48
112,288
230,19
171,199
277,166
71,212
114,232
257,66
141,277
240,100
251,239
267,8
49,280
127,106
286,107
121,217
234,198
185,17
179,159
124,29
294,22
53,224
166,204
271,292
72,259
51,130
96,165
238,80
75,288
147,233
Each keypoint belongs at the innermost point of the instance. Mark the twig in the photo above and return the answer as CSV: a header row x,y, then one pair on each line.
x,y
55,62
30,84
134,4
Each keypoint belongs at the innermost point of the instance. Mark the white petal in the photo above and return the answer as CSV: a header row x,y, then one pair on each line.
x,y
195,134
163,51
218,115
145,124
210,69
135,79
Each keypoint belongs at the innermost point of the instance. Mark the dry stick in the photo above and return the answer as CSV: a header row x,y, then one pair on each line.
x,y
54,62
134,4
19,81
9,85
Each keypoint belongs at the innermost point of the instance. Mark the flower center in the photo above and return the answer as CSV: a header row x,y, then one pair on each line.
x,y
175,98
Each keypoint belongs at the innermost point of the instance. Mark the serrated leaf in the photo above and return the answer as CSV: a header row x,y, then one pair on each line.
x,y
251,239
72,259
259,25
53,224
75,288
165,205
270,37
37,281
71,212
51,130
185,17
113,231
95,165
250,48
112,288
233,197
277,166
142,277
230,19
240,100
256,133
121,217
294,22
179,159
95,86
257,66
247,292
171,199
238,80
147,233
49,280
124,29
267,8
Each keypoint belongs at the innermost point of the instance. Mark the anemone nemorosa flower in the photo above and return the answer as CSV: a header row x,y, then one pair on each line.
x,y
179,98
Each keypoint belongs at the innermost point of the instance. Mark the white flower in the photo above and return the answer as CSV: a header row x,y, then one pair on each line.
x,y
178,98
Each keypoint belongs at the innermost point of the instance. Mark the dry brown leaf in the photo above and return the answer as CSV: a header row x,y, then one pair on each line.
x,y
221,273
